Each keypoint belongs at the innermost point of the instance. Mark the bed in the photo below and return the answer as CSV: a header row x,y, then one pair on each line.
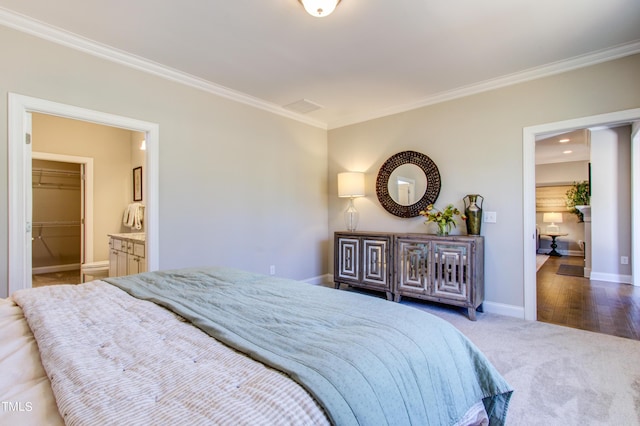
x,y
222,346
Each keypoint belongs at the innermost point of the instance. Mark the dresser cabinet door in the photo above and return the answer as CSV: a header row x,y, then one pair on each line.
x,y
375,265
348,259
412,266
450,270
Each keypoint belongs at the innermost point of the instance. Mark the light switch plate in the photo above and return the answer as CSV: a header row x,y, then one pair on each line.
x,y
489,217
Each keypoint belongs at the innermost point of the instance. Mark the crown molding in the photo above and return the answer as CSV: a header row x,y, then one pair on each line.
x,y
65,38
59,36
553,68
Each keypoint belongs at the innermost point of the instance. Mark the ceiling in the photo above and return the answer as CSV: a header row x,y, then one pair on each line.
x,y
368,59
564,147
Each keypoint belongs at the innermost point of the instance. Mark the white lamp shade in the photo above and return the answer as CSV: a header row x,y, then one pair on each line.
x,y
351,184
552,217
319,8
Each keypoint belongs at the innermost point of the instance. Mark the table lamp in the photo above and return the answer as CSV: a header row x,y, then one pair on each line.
x,y
552,218
351,184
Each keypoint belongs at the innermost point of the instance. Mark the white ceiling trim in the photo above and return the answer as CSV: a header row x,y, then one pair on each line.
x,y
42,30
507,80
39,29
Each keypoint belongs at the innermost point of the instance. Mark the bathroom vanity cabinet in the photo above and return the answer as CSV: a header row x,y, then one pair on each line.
x,y
127,254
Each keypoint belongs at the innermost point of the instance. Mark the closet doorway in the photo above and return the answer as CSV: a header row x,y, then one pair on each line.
x,y
62,203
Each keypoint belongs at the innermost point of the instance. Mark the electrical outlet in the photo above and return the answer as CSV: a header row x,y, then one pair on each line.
x,y
624,260
490,217
272,270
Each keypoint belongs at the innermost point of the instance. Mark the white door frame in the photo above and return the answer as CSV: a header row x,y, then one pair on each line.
x,y
529,194
87,203
19,167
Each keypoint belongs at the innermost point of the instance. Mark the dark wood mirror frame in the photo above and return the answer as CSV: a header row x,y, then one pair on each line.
x,y
432,175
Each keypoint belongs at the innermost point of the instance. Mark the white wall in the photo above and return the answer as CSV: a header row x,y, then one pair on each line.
x,y
238,186
477,144
611,203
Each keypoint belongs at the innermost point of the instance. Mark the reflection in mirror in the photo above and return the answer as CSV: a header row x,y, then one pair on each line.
x,y
407,184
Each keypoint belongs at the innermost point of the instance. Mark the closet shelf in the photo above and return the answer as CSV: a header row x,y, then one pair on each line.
x,y
39,173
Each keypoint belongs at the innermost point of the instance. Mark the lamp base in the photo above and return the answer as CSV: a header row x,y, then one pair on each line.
x,y
351,217
553,229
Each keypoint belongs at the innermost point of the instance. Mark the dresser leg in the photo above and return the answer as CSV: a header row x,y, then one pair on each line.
x,y
472,313
337,286
397,298
389,296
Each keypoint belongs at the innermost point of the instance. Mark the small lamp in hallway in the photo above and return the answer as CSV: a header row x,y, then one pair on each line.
x,y
552,218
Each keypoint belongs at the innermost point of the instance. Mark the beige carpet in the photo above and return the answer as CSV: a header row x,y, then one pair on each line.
x,y
561,376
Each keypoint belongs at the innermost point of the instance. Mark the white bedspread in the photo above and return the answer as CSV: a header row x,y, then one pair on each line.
x,y
114,359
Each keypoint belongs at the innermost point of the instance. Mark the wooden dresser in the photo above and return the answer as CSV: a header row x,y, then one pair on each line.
x,y
363,260
448,269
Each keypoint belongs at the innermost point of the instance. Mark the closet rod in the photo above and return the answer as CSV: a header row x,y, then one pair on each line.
x,y
54,186
57,224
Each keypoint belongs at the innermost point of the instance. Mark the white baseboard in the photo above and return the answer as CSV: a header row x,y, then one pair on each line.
x,y
325,279
55,268
502,309
613,278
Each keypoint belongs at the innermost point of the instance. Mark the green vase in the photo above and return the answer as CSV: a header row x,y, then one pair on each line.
x,y
473,211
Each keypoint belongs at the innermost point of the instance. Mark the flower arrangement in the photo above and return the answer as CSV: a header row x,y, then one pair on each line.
x,y
443,218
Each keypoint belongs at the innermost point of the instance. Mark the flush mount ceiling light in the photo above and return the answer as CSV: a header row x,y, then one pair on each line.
x,y
319,8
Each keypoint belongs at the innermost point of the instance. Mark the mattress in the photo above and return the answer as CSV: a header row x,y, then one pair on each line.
x,y
25,390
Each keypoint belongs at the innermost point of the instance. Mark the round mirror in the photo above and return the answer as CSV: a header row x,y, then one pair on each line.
x,y
407,183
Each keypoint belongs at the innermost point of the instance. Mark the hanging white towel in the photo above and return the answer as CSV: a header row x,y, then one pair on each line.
x,y
133,216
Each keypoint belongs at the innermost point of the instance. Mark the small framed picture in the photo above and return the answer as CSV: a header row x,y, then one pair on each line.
x,y
137,184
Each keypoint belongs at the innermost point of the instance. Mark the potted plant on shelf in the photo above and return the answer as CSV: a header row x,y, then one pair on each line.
x,y
578,195
445,219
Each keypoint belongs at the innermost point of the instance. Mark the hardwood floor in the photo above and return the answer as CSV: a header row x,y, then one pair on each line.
x,y
578,302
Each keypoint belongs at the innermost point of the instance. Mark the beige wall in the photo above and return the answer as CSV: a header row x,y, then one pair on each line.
x,y
238,186
245,188
562,173
476,142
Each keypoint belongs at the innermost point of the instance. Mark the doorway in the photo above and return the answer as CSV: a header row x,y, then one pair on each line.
x,y
529,196
58,221
20,171
76,188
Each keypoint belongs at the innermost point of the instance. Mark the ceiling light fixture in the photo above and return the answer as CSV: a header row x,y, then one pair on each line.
x,y
564,140
319,8
567,151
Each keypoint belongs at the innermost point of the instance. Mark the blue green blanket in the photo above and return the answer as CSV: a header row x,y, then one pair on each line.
x,y
367,361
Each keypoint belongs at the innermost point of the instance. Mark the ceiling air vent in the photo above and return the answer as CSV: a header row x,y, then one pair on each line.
x,y
303,106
